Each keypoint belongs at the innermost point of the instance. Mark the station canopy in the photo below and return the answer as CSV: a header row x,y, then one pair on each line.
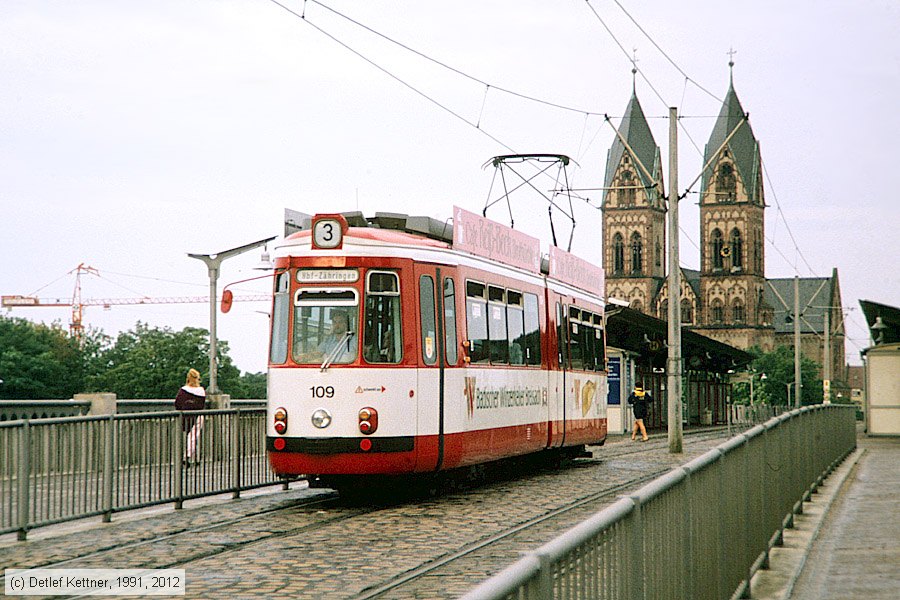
x,y
646,336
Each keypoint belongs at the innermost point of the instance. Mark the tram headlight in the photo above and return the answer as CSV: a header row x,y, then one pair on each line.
x,y
368,420
321,418
280,418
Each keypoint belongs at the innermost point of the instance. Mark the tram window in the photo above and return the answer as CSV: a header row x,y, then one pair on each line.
x,y
429,329
325,326
532,331
450,344
600,353
576,343
382,339
281,315
476,321
588,340
562,337
515,322
497,335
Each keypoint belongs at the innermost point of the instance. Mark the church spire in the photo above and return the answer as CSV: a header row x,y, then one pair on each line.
x,y
731,52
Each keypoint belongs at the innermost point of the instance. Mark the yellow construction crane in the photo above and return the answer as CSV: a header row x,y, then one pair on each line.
x,y
76,303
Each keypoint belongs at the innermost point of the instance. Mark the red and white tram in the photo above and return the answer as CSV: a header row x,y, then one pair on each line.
x,y
398,352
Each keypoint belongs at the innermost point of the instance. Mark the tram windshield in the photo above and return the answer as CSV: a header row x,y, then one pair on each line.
x,y
325,326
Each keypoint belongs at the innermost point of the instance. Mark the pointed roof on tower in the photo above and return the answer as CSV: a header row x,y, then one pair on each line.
x,y
636,131
743,145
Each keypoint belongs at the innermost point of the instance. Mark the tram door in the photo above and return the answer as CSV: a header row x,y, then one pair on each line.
x,y
563,379
437,349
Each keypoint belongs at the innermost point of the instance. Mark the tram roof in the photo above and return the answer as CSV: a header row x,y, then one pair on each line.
x,y
385,226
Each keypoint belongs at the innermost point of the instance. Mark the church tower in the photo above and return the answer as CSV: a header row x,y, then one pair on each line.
x,y
733,307
634,230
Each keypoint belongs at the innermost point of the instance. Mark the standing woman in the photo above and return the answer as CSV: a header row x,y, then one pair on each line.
x,y
190,397
639,399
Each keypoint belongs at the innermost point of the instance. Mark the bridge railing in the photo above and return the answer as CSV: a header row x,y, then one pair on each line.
x,y
700,531
55,470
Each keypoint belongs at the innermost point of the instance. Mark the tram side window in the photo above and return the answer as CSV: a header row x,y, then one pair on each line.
x,y
497,335
532,331
588,338
450,321
476,321
281,315
600,351
429,329
515,319
382,339
576,342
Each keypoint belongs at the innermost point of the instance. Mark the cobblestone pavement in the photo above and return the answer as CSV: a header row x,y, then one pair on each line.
x,y
275,544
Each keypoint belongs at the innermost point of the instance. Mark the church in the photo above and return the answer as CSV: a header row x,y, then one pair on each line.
x,y
729,299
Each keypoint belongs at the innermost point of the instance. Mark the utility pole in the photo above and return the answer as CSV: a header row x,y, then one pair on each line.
x,y
798,385
673,387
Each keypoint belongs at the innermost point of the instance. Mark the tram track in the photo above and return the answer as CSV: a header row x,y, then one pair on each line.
x,y
432,539
494,539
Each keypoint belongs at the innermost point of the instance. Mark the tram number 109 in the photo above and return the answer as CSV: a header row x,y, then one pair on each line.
x,y
322,391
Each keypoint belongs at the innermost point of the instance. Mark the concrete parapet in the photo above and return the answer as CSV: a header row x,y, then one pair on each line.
x,y
101,404
218,401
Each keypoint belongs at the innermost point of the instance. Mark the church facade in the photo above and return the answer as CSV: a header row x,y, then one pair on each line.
x,y
729,299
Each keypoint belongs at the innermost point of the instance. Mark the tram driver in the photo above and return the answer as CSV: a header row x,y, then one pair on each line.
x,y
340,335
338,345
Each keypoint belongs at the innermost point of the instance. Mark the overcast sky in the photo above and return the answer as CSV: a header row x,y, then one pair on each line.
x,y
133,133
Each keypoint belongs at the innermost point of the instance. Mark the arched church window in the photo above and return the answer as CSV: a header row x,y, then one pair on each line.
x,y
718,311
726,184
737,249
717,245
663,309
627,189
658,253
737,311
618,254
687,311
637,254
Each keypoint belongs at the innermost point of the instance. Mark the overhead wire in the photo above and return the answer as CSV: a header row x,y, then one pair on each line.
x,y
451,68
587,113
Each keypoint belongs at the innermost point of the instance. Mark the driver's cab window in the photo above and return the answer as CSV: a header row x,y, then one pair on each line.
x,y
325,326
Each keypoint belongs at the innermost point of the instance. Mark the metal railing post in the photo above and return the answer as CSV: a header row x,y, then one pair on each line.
x,y
237,452
178,462
108,474
688,550
636,554
24,477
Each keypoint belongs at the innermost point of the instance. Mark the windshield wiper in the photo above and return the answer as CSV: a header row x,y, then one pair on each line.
x,y
338,348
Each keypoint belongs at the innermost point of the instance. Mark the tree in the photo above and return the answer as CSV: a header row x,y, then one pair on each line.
x,y
778,367
151,362
38,362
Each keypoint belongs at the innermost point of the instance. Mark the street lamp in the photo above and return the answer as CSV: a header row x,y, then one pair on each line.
x,y
212,263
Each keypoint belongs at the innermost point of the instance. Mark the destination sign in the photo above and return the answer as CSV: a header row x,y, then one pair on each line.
x,y
576,271
483,237
327,275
